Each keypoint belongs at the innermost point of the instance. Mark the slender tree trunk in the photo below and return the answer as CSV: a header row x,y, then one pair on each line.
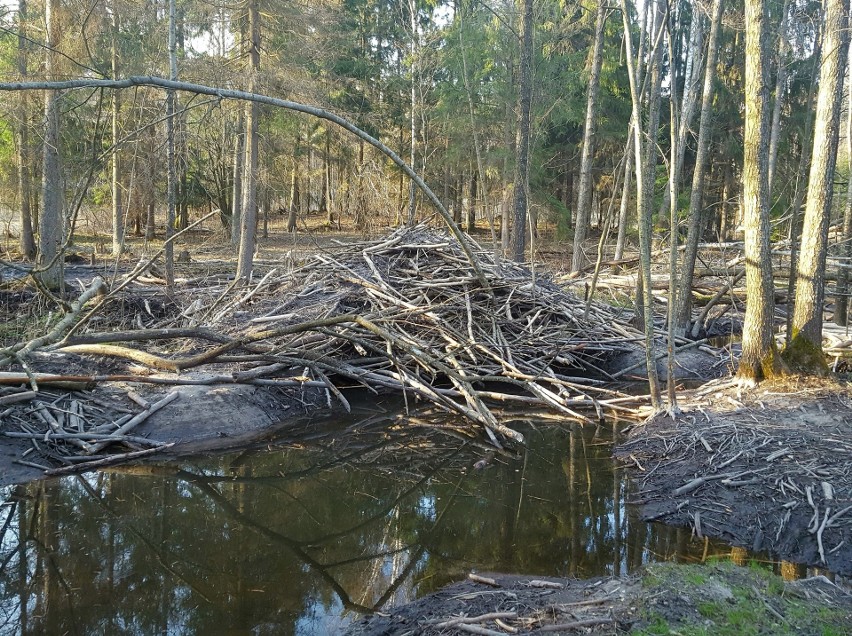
x,y
801,188
692,79
780,90
171,178
625,197
522,173
759,357
470,222
805,349
51,221
117,212
683,308
644,214
475,130
412,191
238,168
27,240
578,258
248,224
295,195
841,301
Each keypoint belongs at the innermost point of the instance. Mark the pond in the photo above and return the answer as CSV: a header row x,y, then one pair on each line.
x,y
303,534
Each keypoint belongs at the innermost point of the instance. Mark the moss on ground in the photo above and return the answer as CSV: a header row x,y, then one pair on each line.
x,y
726,600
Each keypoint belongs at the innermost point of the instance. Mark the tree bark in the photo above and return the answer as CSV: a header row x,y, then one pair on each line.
x,y
804,351
117,212
683,308
171,177
27,239
780,89
759,357
51,219
644,214
238,168
578,258
248,222
801,188
522,173
841,301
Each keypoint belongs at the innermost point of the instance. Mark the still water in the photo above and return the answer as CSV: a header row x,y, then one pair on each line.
x,y
303,534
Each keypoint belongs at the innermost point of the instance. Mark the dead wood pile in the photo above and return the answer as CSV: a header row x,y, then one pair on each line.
x,y
406,313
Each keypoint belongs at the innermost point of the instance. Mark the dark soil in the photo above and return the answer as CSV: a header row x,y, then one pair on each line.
x,y
766,469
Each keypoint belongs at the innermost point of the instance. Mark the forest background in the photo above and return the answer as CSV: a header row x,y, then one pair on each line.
x,y
717,118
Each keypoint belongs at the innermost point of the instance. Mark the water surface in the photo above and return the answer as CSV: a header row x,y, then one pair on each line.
x,y
299,537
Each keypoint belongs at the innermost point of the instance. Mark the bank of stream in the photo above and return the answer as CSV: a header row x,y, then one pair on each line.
x,y
328,520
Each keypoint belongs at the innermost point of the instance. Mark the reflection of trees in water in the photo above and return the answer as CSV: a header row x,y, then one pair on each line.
x,y
282,537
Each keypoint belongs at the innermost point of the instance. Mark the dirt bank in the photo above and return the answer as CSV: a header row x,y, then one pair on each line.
x,y
719,599
766,469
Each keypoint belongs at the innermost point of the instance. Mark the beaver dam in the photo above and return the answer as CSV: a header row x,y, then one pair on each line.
x,y
412,313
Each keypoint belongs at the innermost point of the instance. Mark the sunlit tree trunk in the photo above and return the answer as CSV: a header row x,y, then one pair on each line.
x,y
683,310
805,349
51,219
237,198
578,258
780,90
117,212
27,239
171,177
248,222
759,356
841,302
801,187
522,174
642,203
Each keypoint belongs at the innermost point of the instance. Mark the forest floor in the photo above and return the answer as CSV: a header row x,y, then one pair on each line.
x,y
766,469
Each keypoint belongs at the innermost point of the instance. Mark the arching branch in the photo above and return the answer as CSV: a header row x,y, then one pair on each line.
x,y
225,93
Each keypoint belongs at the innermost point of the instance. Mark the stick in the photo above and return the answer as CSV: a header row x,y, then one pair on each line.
x,y
137,420
108,461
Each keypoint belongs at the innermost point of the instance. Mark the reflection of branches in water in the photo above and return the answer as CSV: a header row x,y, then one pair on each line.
x,y
164,563
6,525
292,545
298,547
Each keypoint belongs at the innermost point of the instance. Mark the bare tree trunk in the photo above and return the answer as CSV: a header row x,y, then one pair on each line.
x,y
578,258
759,357
117,212
238,168
625,197
801,188
805,349
644,213
690,98
470,221
522,173
295,195
683,309
841,301
171,178
412,191
780,89
51,221
248,223
27,239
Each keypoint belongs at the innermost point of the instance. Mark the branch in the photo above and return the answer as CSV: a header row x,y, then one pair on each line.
x,y
225,93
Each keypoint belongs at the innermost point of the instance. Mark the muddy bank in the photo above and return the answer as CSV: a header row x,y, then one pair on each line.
x,y
666,598
200,419
766,469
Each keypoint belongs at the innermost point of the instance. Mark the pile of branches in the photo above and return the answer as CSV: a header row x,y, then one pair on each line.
x,y
773,479
411,312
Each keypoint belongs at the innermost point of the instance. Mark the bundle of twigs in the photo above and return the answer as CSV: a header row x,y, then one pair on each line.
x,y
408,312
